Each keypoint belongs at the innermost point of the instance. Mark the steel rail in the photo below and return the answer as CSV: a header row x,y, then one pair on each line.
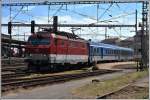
x,y
50,79
113,92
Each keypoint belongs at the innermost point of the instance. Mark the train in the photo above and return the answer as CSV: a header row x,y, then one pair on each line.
x,y
53,49
61,48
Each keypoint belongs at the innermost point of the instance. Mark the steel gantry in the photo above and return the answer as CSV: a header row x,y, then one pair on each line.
x,y
63,2
69,25
144,36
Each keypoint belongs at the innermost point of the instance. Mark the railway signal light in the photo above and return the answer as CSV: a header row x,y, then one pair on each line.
x,y
32,26
9,27
55,19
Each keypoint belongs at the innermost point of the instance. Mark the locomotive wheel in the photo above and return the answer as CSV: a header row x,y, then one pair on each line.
x,y
53,68
31,67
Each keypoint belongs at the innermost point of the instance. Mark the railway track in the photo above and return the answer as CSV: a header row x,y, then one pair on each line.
x,y
24,83
13,75
105,96
13,72
13,67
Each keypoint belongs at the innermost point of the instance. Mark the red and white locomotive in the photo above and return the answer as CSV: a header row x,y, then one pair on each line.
x,y
59,48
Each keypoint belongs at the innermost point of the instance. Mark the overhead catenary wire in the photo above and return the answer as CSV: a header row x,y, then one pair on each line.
x,y
116,17
105,11
107,20
73,12
16,14
25,13
87,15
56,12
117,32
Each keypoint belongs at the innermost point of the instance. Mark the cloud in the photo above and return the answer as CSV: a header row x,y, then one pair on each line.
x,y
82,6
28,8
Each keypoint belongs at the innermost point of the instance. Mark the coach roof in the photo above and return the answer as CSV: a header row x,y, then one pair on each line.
x,y
98,44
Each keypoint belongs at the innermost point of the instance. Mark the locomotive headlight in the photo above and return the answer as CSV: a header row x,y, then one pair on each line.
x,y
30,55
44,55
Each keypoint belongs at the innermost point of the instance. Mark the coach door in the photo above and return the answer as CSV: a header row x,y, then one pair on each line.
x,y
91,54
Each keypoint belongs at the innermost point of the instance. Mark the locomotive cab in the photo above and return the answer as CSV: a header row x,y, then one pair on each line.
x,y
38,48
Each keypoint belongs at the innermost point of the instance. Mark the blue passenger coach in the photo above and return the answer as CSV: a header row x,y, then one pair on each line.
x,y
106,52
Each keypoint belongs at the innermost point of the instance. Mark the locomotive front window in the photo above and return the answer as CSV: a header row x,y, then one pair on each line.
x,y
39,41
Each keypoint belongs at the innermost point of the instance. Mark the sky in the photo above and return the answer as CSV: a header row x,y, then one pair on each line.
x,y
76,14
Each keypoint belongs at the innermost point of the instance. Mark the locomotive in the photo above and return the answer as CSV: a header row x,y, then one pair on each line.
x,y
56,48
52,47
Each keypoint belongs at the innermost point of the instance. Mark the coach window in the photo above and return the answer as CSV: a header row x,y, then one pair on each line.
x,y
94,50
91,49
97,51
106,51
